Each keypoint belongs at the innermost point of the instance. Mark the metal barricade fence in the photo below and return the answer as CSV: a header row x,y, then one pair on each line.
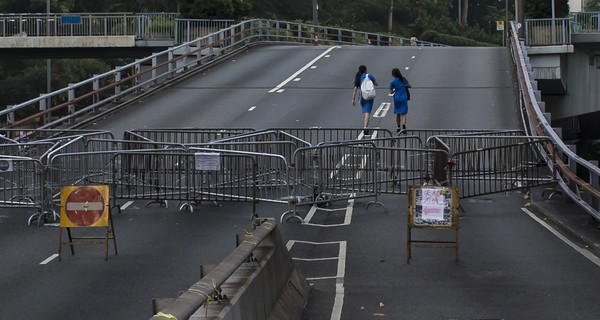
x,y
176,175
184,135
425,134
33,149
270,141
400,168
500,169
21,181
29,135
317,135
273,178
466,142
333,172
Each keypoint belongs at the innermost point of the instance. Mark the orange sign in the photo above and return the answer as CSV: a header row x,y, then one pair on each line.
x,y
85,206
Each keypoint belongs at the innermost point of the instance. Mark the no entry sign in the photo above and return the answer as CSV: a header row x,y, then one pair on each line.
x,y
85,206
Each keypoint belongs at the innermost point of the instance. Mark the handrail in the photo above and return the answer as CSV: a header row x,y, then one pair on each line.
x,y
567,163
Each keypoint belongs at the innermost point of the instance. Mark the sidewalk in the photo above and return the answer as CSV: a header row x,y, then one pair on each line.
x,y
568,217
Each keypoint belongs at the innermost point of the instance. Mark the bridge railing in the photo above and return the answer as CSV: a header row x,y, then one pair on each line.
x,y
140,25
586,22
584,188
547,32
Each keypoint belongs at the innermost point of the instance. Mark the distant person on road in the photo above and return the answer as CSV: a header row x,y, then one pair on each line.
x,y
367,105
413,40
398,88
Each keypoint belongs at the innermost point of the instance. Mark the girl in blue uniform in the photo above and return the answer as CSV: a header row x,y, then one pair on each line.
x,y
367,105
398,87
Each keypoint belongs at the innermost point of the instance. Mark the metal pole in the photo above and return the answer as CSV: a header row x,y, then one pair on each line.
x,y
315,4
553,25
48,61
504,42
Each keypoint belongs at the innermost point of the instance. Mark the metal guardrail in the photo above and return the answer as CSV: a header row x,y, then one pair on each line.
x,y
584,188
140,25
546,32
586,22
549,32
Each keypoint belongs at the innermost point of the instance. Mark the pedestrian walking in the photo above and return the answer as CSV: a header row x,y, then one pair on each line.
x,y
366,102
399,89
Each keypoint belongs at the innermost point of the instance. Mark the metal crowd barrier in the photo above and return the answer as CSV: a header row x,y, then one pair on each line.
x,y
316,135
426,134
184,135
176,175
333,172
21,181
500,168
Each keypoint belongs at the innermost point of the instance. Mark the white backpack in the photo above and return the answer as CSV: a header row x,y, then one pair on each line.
x,y
367,88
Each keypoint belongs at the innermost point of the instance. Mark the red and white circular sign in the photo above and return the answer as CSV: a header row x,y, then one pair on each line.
x,y
84,206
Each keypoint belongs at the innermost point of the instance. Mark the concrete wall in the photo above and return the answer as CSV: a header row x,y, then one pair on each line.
x,y
582,84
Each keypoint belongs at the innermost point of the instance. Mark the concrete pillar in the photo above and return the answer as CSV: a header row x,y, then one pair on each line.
x,y
71,97
117,82
44,107
10,117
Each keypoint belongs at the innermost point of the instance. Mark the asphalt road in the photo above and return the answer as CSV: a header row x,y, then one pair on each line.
x,y
510,266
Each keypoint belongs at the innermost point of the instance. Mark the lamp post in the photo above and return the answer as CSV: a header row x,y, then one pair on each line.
x,y
48,61
315,5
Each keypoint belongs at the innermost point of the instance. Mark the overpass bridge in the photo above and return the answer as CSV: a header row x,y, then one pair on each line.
x,y
509,266
98,34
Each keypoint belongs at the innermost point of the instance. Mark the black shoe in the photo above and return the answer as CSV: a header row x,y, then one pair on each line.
x,y
403,127
366,132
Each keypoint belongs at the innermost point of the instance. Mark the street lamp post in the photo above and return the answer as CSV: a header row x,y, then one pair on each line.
x,y
315,4
48,61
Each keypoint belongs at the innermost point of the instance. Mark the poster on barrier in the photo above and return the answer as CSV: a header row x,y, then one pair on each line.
x,y
207,161
6,165
433,206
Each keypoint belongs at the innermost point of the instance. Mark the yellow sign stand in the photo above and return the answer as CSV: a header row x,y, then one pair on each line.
x,y
432,207
85,207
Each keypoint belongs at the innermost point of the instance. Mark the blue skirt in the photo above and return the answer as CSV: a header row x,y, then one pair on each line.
x,y
367,105
400,107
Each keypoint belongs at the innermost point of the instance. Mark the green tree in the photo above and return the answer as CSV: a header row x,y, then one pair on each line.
x,y
214,9
592,5
541,9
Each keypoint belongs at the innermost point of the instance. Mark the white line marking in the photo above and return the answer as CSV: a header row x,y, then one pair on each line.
x,y
50,258
84,206
327,56
280,90
583,252
302,69
297,79
321,278
338,303
347,217
412,57
290,244
406,68
382,110
315,259
252,108
126,205
313,67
